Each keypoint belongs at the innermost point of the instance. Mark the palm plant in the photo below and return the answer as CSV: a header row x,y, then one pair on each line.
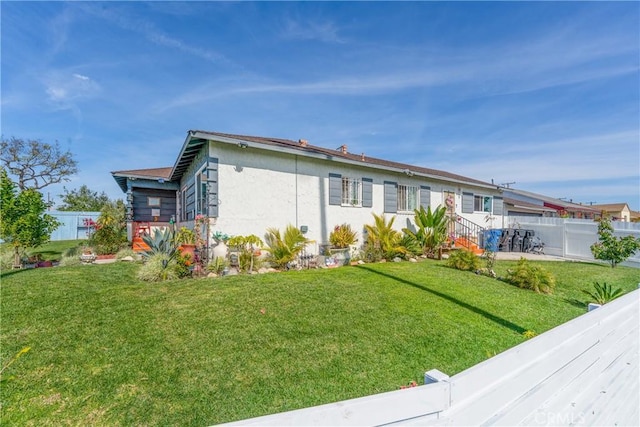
x,y
284,248
603,293
430,231
383,238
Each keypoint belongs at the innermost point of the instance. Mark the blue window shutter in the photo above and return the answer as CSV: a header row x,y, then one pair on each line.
x,y
425,196
498,204
390,197
467,202
367,192
335,189
212,187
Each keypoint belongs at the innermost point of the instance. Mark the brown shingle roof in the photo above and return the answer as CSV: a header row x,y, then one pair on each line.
x,y
358,158
149,173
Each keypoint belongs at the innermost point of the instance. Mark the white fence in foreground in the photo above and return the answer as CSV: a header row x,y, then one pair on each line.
x,y
584,372
572,238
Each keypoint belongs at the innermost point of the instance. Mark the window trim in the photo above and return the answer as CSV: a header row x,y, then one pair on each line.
x,y
154,201
348,183
406,208
483,200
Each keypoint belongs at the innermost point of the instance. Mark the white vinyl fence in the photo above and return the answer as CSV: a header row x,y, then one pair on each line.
x,y
572,238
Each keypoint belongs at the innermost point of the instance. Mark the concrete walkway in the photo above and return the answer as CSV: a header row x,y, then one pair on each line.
x,y
533,257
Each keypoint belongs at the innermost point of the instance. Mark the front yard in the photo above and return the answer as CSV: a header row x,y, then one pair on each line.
x,y
107,349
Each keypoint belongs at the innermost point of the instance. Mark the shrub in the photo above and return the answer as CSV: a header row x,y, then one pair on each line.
x,y
182,265
123,253
603,293
217,265
284,248
382,238
463,259
111,231
247,246
430,230
534,277
342,236
70,260
184,236
158,267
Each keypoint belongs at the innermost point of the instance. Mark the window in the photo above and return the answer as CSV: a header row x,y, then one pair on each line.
x,y
407,198
201,190
482,203
351,192
153,201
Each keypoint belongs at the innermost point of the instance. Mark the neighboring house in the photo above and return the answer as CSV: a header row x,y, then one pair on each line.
x,y
615,211
246,184
526,203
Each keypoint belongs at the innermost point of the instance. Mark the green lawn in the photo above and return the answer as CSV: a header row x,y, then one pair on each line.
x,y
109,350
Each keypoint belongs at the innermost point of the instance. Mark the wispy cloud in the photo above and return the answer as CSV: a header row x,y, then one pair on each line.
x,y
309,29
64,88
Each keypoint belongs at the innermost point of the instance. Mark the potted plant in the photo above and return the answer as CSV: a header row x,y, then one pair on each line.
x,y
341,239
186,241
87,255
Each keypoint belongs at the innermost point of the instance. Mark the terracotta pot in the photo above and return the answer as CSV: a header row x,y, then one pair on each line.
x,y
188,249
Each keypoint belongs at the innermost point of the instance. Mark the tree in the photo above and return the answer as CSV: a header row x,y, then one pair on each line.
x,y
83,199
23,222
36,164
611,248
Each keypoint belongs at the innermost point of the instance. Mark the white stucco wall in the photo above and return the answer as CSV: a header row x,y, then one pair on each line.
x,y
258,189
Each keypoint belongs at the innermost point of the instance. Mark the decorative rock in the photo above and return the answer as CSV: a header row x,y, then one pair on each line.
x,y
397,259
445,256
210,275
127,259
263,270
413,260
360,262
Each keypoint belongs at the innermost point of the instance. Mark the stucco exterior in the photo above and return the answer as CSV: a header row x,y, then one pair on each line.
x,y
258,189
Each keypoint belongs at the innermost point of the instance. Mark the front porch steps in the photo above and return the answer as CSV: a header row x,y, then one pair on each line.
x,y
138,245
464,243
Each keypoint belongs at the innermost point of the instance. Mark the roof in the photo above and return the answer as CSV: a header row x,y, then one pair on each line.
x,y
197,138
611,207
152,174
554,203
526,206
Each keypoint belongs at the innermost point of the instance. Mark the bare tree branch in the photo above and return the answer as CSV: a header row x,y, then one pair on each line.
x,y
36,164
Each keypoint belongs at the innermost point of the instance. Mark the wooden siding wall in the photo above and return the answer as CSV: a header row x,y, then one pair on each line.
x,y
142,210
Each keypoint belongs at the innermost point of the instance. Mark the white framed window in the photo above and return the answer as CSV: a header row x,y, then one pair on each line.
x,y
482,203
408,196
351,191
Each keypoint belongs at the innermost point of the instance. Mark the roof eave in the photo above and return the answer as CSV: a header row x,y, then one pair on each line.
x,y
308,152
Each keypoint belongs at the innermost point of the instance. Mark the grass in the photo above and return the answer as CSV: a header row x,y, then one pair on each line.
x,y
109,350
51,251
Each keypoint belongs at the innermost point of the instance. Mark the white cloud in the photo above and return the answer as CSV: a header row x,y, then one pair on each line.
x,y
65,88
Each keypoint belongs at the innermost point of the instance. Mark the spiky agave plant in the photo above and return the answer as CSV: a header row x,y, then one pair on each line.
x,y
603,293
161,242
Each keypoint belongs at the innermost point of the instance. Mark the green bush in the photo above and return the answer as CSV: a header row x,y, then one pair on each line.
x,y
123,253
342,236
463,259
534,277
70,260
603,293
284,248
217,265
157,268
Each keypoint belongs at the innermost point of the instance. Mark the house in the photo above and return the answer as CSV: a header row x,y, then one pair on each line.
x,y
615,211
245,184
525,203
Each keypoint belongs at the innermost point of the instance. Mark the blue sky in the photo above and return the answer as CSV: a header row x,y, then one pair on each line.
x,y
543,94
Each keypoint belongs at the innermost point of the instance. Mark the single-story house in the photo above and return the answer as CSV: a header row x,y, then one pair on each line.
x,y
615,211
243,185
525,203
